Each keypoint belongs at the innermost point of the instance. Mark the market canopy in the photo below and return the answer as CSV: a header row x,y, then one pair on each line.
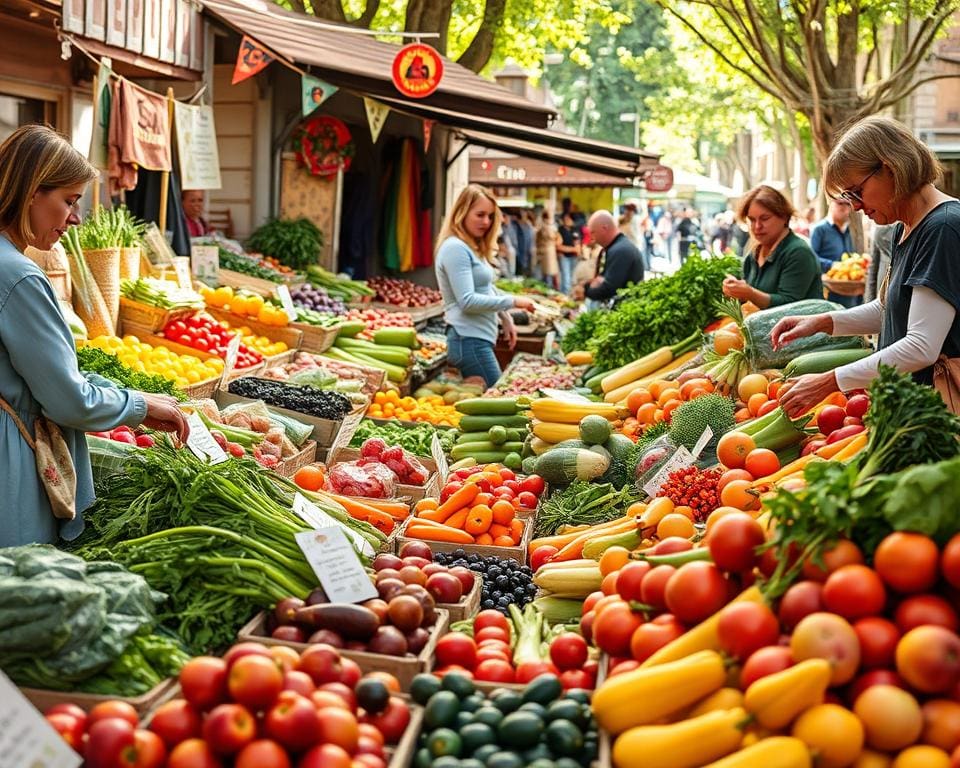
x,y
544,167
362,63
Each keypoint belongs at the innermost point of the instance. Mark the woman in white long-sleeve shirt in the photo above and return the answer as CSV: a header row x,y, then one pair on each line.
x,y
465,273
882,169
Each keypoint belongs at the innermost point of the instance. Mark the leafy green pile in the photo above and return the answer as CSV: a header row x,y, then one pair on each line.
x,y
416,439
146,662
584,503
97,361
294,242
654,313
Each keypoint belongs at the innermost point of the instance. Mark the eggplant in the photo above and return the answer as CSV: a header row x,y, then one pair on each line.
x,y
351,622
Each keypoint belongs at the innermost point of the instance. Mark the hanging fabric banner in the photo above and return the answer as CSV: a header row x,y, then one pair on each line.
x,y
376,116
427,133
313,92
101,126
251,58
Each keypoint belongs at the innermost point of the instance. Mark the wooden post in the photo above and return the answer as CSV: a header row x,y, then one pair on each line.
x,y
165,175
96,116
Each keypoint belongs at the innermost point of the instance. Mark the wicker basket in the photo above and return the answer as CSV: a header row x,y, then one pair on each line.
x,y
152,318
316,340
845,287
60,280
130,263
104,264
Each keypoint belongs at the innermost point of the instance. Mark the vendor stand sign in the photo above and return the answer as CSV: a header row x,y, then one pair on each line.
x,y
417,70
197,146
660,179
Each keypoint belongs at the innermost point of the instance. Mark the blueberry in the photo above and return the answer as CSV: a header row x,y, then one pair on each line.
x,y
493,572
503,601
519,593
503,582
488,603
473,558
459,552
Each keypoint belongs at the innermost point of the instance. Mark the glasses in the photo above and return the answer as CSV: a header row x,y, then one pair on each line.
x,y
853,195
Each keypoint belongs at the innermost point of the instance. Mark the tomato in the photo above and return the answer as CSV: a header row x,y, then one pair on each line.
x,y
763,662
528,670
150,751
109,709
527,500
950,561
586,625
542,555
733,541
513,485
843,552
624,666
925,609
449,489
696,591
761,462
568,651
456,648
857,406
907,562
630,580
393,721
491,633
577,678
175,721
495,671
649,638
878,641
490,618
613,628
853,591
533,484
830,418
70,728
746,627
507,474
802,599
110,740
655,584
485,654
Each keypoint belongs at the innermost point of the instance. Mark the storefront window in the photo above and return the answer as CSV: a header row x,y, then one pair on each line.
x,y
18,110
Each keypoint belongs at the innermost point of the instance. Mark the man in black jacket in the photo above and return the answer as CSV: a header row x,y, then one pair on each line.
x,y
620,262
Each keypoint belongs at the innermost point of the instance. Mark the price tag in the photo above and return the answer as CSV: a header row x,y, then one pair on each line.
x,y
334,560
702,442
205,260
311,514
286,300
681,459
26,738
181,265
230,356
548,341
565,396
201,442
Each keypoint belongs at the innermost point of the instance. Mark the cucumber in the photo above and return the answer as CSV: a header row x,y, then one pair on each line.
x,y
473,437
462,450
520,730
593,383
488,406
471,423
823,361
397,337
513,461
543,689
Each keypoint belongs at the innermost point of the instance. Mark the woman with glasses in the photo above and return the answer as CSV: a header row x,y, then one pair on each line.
x,y
880,168
781,268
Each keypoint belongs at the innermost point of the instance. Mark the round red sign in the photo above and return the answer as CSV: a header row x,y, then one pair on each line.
x,y
417,70
659,179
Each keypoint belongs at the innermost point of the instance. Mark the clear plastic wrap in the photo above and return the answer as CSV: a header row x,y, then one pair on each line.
x,y
371,479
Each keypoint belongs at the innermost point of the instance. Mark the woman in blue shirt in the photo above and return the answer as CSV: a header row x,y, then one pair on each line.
x,y
465,273
41,181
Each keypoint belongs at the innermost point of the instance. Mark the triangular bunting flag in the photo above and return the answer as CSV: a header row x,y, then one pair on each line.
x,y
427,132
313,92
376,117
251,58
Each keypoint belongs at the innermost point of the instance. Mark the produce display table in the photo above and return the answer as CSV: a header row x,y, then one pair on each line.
x,y
845,287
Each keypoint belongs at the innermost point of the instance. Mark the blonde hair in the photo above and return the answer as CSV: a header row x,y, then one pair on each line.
x,y
35,158
486,248
880,141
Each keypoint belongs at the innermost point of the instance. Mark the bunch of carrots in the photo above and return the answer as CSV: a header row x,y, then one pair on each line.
x,y
382,514
462,520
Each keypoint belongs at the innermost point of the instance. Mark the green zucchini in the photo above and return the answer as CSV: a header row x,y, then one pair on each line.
x,y
397,337
759,325
351,328
471,423
486,457
488,406
564,465
823,361
462,450
593,383
473,437
782,432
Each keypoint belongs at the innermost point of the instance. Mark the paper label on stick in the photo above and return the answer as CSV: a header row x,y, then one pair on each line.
x,y
286,300
26,738
439,457
702,442
230,356
548,341
201,442
681,459
205,261
334,560
181,265
311,514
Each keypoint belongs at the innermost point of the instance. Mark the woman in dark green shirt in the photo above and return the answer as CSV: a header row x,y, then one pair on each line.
x,y
781,268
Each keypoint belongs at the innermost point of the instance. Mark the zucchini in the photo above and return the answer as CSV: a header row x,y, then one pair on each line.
x,y
488,406
351,328
564,465
593,383
486,457
782,432
823,361
470,423
472,437
462,450
397,337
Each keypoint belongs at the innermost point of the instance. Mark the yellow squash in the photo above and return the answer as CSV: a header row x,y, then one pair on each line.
x,y
548,409
775,700
775,752
637,369
553,432
725,698
643,696
579,357
687,744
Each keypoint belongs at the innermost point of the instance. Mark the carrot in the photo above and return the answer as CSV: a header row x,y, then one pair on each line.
x,y
561,540
460,498
417,530
360,510
574,549
396,509
458,519
831,450
787,469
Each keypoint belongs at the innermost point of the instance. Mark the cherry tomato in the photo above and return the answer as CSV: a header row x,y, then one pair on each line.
x,y
577,678
533,484
802,599
568,651
696,591
655,584
950,561
843,552
746,627
490,618
853,591
614,627
531,669
878,641
733,541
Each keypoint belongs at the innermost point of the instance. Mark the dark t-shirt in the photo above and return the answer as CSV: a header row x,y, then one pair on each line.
x,y
569,236
622,264
930,257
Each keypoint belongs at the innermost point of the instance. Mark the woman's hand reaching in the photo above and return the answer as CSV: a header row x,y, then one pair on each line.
x,y
163,413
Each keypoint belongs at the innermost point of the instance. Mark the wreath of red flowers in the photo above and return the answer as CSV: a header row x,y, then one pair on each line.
x,y
323,144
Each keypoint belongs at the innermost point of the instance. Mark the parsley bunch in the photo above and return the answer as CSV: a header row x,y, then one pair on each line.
x,y
99,362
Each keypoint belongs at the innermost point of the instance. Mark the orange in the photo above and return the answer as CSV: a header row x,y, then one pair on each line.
x,y
667,395
638,397
736,494
670,406
742,414
732,449
687,388
503,512
685,511
614,559
645,413
656,387
310,477
675,524
755,401
761,462
733,474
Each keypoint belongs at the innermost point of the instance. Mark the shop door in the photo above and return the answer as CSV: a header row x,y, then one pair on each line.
x,y
16,111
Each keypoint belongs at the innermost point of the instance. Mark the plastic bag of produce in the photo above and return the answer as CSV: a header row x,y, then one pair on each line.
x,y
314,377
759,325
374,480
296,431
653,458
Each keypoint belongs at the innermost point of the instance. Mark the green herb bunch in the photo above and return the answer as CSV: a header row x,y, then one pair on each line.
x,y
97,361
110,228
294,242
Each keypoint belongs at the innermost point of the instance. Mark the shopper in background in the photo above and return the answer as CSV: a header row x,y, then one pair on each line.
x,y
780,268
830,238
473,308
42,178
620,262
192,202
880,167
568,249
879,260
525,265
547,240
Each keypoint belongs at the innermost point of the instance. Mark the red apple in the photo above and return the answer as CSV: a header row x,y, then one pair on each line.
x,y
416,562
149,748
229,728
345,693
255,681
416,549
240,650
108,740
298,682
193,753
175,721
928,658
411,574
66,708
292,721
324,756
445,587
432,568
322,662
203,681
386,560
466,576
262,753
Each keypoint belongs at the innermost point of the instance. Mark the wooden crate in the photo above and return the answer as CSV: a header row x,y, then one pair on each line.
x,y
265,288
469,604
44,699
289,335
306,455
517,554
404,668
413,493
401,756
153,318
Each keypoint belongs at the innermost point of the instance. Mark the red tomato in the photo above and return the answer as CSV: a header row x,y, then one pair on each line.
x,y
507,474
842,552
696,591
527,500
907,562
568,651
746,627
513,485
586,625
802,599
528,670
70,728
733,541
505,493
830,418
456,648
577,678
630,580
533,484
857,406
151,753
492,633
541,555
878,641
108,709
193,753
393,721
950,561
490,618
854,591
614,627
175,721
495,671
649,638
485,654
655,584
925,609
591,601
449,489
763,662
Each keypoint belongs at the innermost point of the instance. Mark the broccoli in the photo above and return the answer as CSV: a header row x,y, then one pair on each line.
x,y
691,418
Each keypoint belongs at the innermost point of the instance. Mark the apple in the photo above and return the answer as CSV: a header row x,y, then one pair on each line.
x,y
262,753
466,576
387,588
203,681
416,549
415,562
108,740
445,587
298,682
389,573
69,727
255,681
327,637
345,693
323,699
292,721
411,574
431,568
229,728
827,636
289,633
386,560
109,709
175,721
193,753
323,756
322,662
73,710
240,650
928,658
284,657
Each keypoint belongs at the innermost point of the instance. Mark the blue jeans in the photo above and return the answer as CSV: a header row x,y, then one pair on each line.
x,y
567,265
473,357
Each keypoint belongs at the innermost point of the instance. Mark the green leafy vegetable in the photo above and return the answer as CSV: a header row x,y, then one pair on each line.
x,y
416,439
584,503
294,242
99,362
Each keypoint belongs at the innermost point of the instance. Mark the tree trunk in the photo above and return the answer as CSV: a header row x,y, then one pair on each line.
x,y
328,9
430,16
481,47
